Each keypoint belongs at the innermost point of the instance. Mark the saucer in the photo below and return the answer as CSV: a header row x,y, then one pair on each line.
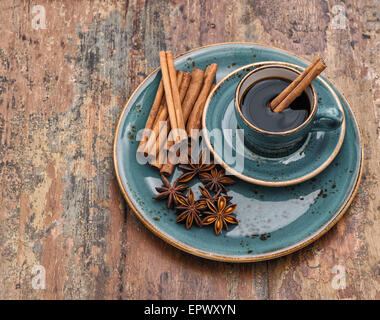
x,y
316,153
273,222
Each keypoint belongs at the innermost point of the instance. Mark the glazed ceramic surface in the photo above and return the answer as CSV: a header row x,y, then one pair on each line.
x,y
312,156
272,221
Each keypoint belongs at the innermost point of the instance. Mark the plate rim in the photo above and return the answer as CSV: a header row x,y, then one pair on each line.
x,y
226,258
269,183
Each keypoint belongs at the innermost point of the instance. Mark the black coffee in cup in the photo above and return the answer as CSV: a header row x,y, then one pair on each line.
x,y
254,106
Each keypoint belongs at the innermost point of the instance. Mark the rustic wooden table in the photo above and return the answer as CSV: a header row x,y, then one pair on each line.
x,y
66,70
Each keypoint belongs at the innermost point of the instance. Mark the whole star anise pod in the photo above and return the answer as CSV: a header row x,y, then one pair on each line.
x,y
170,192
194,168
190,209
220,215
208,197
216,180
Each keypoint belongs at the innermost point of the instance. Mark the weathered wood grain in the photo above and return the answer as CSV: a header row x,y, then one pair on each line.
x,y
61,92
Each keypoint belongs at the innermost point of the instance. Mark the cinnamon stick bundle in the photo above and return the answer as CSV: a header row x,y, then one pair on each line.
x,y
276,101
187,105
182,92
159,145
161,116
296,89
180,99
194,102
192,92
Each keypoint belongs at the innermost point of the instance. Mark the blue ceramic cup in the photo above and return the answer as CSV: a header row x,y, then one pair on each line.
x,y
279,144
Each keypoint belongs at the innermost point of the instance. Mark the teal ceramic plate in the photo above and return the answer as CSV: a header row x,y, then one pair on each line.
x,y
318,151
272,221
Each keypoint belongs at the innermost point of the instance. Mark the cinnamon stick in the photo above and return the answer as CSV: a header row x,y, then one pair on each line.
x,y
301,86
199,123
152,114
183,89
276,101
175,93
156,162
168,89
196,113
192,94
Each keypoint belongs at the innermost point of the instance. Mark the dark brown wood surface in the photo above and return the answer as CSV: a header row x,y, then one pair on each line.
x,y
62,90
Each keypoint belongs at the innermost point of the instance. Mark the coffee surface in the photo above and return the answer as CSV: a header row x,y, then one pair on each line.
x,y
254,106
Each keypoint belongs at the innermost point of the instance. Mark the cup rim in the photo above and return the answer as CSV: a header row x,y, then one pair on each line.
x,y
278,133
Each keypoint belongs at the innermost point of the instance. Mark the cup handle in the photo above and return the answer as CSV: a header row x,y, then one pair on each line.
x,y
327,119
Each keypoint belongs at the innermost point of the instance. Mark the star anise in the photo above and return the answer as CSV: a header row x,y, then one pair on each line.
x,y
171,192
190,209
194,168
216,180
208,197
220,215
